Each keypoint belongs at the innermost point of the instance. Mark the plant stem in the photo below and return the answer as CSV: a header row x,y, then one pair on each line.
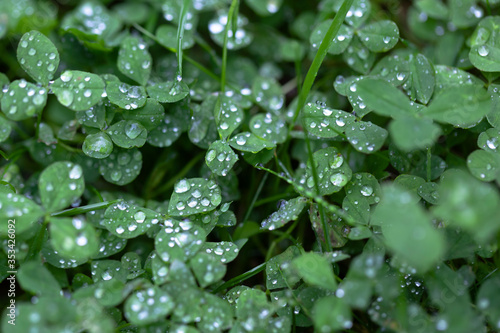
x,y
240,278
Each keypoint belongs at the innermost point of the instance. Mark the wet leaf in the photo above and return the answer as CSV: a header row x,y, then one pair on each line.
x,y
98,145
38,56
125,220
484,165
179,240
237,40
207,269
167,36
228,116
288,211
366,137
122,166
332,313
316,270
37,279
150,115
78,90
126,96
339,44
325,122
268,94
148,306
60,184
225,252
379,36
422,78
249,142
169,91
193,196
220,158
134,60
19,208
128,134
73,238
411,133
269,127
23,100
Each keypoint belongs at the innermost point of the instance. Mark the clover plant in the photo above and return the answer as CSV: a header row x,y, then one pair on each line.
x,y
250,166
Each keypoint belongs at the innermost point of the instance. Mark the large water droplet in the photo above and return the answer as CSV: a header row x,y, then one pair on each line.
x,y
182,186
139,216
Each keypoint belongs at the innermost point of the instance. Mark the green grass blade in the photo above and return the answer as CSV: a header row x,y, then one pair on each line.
x,y
186,4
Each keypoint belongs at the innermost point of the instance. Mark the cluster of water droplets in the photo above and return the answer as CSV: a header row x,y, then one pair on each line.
x,y
79,90
268,94
195,196
179,240
288,211
121,166
29,56
126,220
237,39
22,99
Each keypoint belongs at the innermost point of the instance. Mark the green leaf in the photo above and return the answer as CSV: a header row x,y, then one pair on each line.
x,y
23,100
325,122
52,257
46,135
129,221
489,140
264,7
331,313
422,78
179,240
316,270
269,127
411,133
167,36
463,106
380,36
220,158
333,173
4,82
128,134
168,91
249,142
465,13
5,129
60,184
98,145
193,196
484,165
433,8
37,279
21,210
268,94
106,270
122,166
38,56
225,252
488,299
148,306
228,116
364,186
288,211
134,60
94,117
73,238
235,39
360,232
382,97
485,45
78,90
357,14
365,136
429,192
217,313
150,115
407,229
109,244
207,269
126,96
468,204
358,57
339,44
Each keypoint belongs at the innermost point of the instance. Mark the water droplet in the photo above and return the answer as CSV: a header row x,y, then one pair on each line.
x,y
66,76
210,155
132,129
182,186
81,240
116,175
337,161
492,143
75,172
65,97
366,191
32,52
483,51
139,216
24,43
339,179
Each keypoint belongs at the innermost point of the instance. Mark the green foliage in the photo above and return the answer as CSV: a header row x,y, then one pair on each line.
x,y
250,166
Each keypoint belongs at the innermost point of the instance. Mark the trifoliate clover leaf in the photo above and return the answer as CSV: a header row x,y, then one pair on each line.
x,y
128,134
332,172
194,196
126,96
237,39
169,91
125,220
98,145
38,56
249,142
73,238
134,60
228,116
325,122
23,100
122,166
179,240
484,53
380,36
339,44
60,184
288,211
220,158
207,269
366,137
19,208
268,94
78,90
